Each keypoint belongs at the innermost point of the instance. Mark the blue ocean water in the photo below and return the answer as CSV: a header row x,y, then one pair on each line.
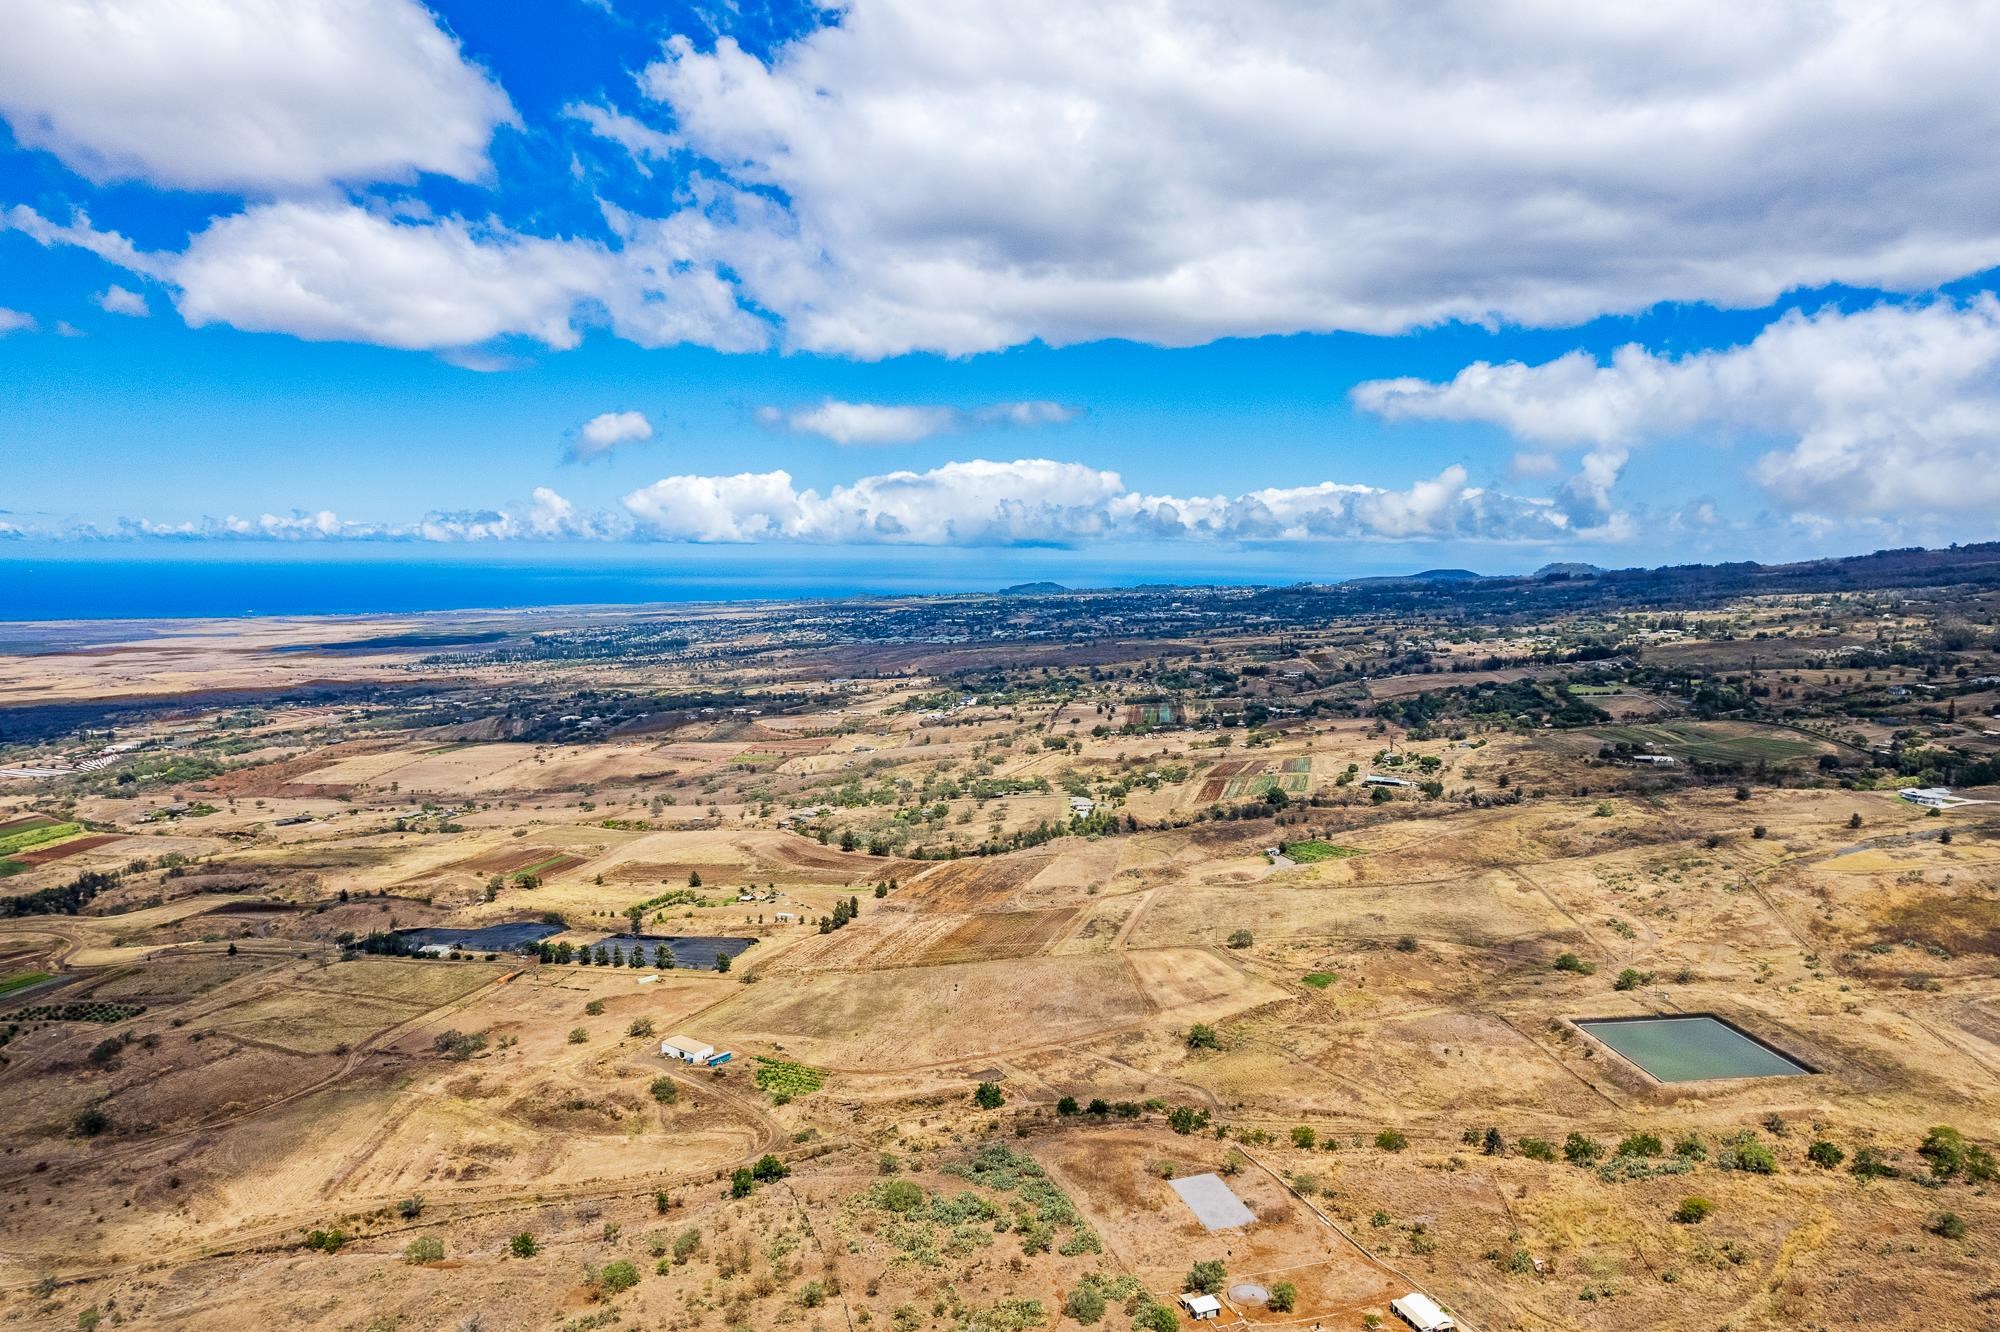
x,y
63,584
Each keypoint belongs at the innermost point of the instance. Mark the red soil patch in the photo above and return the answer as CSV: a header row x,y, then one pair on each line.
x,y
75,846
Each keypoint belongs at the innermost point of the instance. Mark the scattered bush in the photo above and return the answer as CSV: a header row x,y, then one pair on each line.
x,y
1206,1278
1824,1154
1284,1296
1572,963
613,1279
1947,1225
1391,1140
1581,1151
523,1245
1201,1036
988,1096
1693,1211
424,1249
1536,1149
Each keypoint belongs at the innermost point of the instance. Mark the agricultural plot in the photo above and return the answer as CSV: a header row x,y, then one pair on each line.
x,y
783,1077
1714,742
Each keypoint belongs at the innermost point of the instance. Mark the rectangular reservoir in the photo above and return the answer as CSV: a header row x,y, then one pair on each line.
x,y
1692,1048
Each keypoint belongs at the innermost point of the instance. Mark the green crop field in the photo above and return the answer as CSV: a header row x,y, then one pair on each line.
x,y
1319,980
782,1077
21,980
1712,742
1309,851
29,838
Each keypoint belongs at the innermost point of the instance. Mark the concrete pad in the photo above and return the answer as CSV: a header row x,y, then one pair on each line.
x,y
1212,1202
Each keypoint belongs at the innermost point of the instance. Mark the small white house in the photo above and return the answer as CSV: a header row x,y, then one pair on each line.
x,y
686,1049
785,917
1930,797
1201,1307
1382,779
1422,1313
1657,760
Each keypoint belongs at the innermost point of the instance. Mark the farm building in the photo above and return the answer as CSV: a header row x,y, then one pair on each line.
x,y
1657,760
1422,1313
1930,797
686,1049
1381,779
1201,1307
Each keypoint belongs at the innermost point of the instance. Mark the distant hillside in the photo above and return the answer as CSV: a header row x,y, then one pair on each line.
x,y
1683,585
1033,590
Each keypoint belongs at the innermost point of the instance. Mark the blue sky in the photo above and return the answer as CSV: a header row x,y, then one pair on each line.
x,y
1536,282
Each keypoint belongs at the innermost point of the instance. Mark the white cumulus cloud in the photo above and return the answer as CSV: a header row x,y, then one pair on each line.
x,y
1883,411
877,423
983,502
246,94
13,321
1183,170
602,433
120,301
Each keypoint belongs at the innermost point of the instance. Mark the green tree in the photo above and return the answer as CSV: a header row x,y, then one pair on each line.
x,y
1206,1278
722,963
1391,1140
1825,1155
1085,1304
988,1096
1303,1138
665,1090
1067,1106
1185,1119
741,1182
1284,1297
1201,1036
1581,1151
768,1169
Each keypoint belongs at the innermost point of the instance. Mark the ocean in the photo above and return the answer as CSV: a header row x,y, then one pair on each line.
x,y
62,584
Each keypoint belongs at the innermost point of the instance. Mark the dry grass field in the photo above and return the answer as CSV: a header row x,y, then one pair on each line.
x,y
978,1028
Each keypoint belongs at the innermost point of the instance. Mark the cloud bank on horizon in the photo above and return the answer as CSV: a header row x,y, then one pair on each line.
x,y
1166,174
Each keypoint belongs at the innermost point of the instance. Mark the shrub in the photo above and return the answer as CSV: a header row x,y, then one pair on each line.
x,y
1206,1278
1201,1036
1572,963
900,1195
1641,1144
1869,1164
424,1249
768,1169
411,1207
1536,1149
1947,1225
1391,1140
523,1245
1824,1154
1693,1211
577,1035
1240,939
1407,944
1581,1151
685,1245
1303,1138
1085,1304
1951,1155
988,1096
741,1182
1284,1296
614,1278
1493,1144
1067,1106
1744,1151
665,1090
1186,1119
640,1027
594,1008
1631,978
